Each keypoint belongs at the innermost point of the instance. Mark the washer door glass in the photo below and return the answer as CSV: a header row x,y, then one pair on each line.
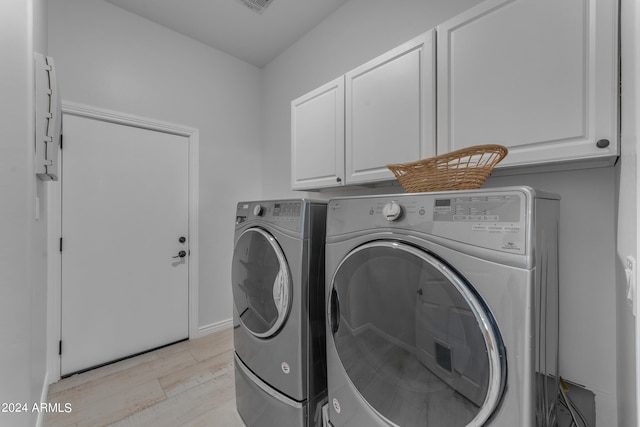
x,y
414,338
261,283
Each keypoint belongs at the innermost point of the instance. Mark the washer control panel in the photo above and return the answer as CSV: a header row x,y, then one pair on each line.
x,y
485,209
488,219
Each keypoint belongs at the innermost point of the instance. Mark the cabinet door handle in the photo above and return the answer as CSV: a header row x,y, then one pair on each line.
x,y
603,143
338,179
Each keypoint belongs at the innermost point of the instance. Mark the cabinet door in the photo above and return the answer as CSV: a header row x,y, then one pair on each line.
x,y
317,137
390,110
538,76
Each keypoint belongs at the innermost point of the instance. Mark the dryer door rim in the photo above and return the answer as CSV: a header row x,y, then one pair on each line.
x,y
281,291
486,323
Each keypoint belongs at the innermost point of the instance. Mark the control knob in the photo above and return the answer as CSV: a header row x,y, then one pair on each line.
x,y
392,211
257,210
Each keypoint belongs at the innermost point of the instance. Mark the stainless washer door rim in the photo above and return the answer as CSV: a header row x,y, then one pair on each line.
x,y
281,291
493,341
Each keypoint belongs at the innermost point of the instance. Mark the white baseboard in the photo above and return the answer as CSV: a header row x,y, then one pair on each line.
x,y
43,398
214,327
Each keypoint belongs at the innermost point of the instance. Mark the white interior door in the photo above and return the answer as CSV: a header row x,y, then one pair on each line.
x,y
125,210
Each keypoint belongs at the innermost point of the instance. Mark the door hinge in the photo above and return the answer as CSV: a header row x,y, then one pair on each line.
x,y
60,348
61,139
61,244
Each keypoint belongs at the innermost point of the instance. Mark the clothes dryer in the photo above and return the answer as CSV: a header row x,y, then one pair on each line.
x,y
443,309
278,312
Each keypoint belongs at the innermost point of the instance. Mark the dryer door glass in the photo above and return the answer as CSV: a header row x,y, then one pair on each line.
x,y
415,339
261,283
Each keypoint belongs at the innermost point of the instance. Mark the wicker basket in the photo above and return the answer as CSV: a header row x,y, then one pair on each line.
x,y
462,169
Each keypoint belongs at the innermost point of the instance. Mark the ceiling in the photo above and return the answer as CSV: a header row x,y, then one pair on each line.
x,y
232,27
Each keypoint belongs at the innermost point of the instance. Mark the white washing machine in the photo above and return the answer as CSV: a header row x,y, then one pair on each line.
x,y
278,317
443,309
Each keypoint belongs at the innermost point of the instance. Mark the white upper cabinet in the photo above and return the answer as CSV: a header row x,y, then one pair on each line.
x,y
390,111
348,130
538,76
317,138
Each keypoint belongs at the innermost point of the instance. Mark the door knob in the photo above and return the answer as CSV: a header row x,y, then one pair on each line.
x,y
181,254
182,239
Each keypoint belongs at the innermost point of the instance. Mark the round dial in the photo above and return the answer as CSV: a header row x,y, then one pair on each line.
x,y
392,211
257,210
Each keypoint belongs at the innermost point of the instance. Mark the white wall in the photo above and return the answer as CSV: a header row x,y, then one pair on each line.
x,y
112,59
627,208
23,289
363,29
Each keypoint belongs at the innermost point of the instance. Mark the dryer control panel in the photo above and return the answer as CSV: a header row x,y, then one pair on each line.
x,y
283,213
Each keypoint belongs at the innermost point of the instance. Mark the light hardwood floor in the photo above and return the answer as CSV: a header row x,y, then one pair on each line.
x,y
187,384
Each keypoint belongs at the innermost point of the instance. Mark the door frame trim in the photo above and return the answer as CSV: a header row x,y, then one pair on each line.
x,y
54,218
